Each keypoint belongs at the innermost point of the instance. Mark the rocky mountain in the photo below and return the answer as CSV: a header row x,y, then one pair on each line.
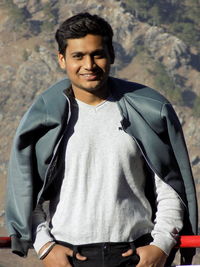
x,y
28,65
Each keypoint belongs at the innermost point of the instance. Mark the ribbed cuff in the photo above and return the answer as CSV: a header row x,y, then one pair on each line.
x,y
42,237
164,242
20,246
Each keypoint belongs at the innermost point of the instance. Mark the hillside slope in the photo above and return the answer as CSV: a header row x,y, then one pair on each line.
x,y
144,53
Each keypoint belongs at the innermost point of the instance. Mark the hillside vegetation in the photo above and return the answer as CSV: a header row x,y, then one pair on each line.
x,y
180,18
157,43
177,17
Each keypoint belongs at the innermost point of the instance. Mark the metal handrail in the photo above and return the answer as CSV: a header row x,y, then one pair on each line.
x,y
189,241
5,242
185,241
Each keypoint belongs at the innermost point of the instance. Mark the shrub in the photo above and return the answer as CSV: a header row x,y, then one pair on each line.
x,y
196,107
47,26
165,83
25,55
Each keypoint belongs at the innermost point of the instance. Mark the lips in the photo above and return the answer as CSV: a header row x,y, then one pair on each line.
x,y
90,76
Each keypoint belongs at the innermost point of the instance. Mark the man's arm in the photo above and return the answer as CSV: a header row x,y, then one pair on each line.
x,y
169,216
168,223
54,255
40,228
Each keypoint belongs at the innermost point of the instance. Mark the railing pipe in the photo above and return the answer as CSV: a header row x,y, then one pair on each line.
x,y
185,241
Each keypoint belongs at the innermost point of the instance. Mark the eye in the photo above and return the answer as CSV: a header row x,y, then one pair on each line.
x,y
99,54
77,56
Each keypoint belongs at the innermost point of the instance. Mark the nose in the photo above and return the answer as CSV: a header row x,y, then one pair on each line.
x,y
89,63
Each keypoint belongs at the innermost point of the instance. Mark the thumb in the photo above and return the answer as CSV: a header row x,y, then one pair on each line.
x,y
127,253
80,257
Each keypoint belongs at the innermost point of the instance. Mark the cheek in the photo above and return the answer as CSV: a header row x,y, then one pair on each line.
x,y
105,65
71,68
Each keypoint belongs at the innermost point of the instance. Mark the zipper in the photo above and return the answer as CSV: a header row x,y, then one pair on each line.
x,y
54,153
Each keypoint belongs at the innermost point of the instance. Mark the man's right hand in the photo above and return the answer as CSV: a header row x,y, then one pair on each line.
x,y
58,257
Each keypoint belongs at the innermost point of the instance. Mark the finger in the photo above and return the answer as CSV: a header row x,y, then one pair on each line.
x,y
80,257
69,252
137,250
127,253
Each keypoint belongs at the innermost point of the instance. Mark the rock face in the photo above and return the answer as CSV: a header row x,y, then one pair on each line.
x,y
20,3
36,73
28,65
174,55
168,49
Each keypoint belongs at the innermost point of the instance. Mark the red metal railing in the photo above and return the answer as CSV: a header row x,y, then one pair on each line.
x,y
190,241
5,242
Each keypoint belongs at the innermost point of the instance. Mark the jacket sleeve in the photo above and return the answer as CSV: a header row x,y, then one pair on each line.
x,y
176,138
181,154
21,175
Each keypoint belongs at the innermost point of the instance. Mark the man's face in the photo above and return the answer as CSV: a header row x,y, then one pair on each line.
x,y
87,63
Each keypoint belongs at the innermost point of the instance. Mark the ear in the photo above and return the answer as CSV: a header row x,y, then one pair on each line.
x,y
61,60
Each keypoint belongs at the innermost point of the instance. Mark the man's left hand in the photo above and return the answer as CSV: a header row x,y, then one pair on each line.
x,y
151,256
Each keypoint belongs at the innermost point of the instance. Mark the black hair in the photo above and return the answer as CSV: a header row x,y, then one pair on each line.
x,y
79,26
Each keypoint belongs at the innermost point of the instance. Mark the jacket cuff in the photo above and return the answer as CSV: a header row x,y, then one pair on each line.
x,y
20,246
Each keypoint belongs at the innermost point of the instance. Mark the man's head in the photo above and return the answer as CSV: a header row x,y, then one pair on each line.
x,y
86,53
81,25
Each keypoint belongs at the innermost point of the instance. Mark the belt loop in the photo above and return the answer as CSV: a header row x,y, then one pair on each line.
x,y
75,251
132,245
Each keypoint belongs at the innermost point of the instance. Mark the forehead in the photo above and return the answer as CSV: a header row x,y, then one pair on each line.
x,y
88,43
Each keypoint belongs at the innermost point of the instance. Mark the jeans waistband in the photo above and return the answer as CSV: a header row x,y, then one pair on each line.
x,y
141,241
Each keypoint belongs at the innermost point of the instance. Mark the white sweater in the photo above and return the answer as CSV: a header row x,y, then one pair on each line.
x,y
102,194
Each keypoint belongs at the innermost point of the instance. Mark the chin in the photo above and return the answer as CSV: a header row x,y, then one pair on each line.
x,y
93,88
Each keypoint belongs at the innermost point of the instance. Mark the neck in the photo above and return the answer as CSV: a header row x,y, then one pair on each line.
x,y
91,98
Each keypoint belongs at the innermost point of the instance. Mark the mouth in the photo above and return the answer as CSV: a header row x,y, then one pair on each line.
x,y
90,76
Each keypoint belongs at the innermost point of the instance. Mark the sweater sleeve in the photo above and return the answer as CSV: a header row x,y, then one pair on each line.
x,y
169,216
40,228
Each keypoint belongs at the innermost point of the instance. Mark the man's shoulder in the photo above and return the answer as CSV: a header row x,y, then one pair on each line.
x,y
135,90
53,99
56,88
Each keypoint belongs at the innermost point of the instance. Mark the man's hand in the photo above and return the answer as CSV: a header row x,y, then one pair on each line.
x,y
58,257
151,256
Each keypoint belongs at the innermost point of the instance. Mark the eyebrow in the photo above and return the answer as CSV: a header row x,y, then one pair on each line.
x,y
100,51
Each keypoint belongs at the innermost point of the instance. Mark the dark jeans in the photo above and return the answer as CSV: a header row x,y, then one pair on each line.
x,y
107,254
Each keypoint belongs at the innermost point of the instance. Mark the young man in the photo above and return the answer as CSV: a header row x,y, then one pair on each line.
x,y
110,157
